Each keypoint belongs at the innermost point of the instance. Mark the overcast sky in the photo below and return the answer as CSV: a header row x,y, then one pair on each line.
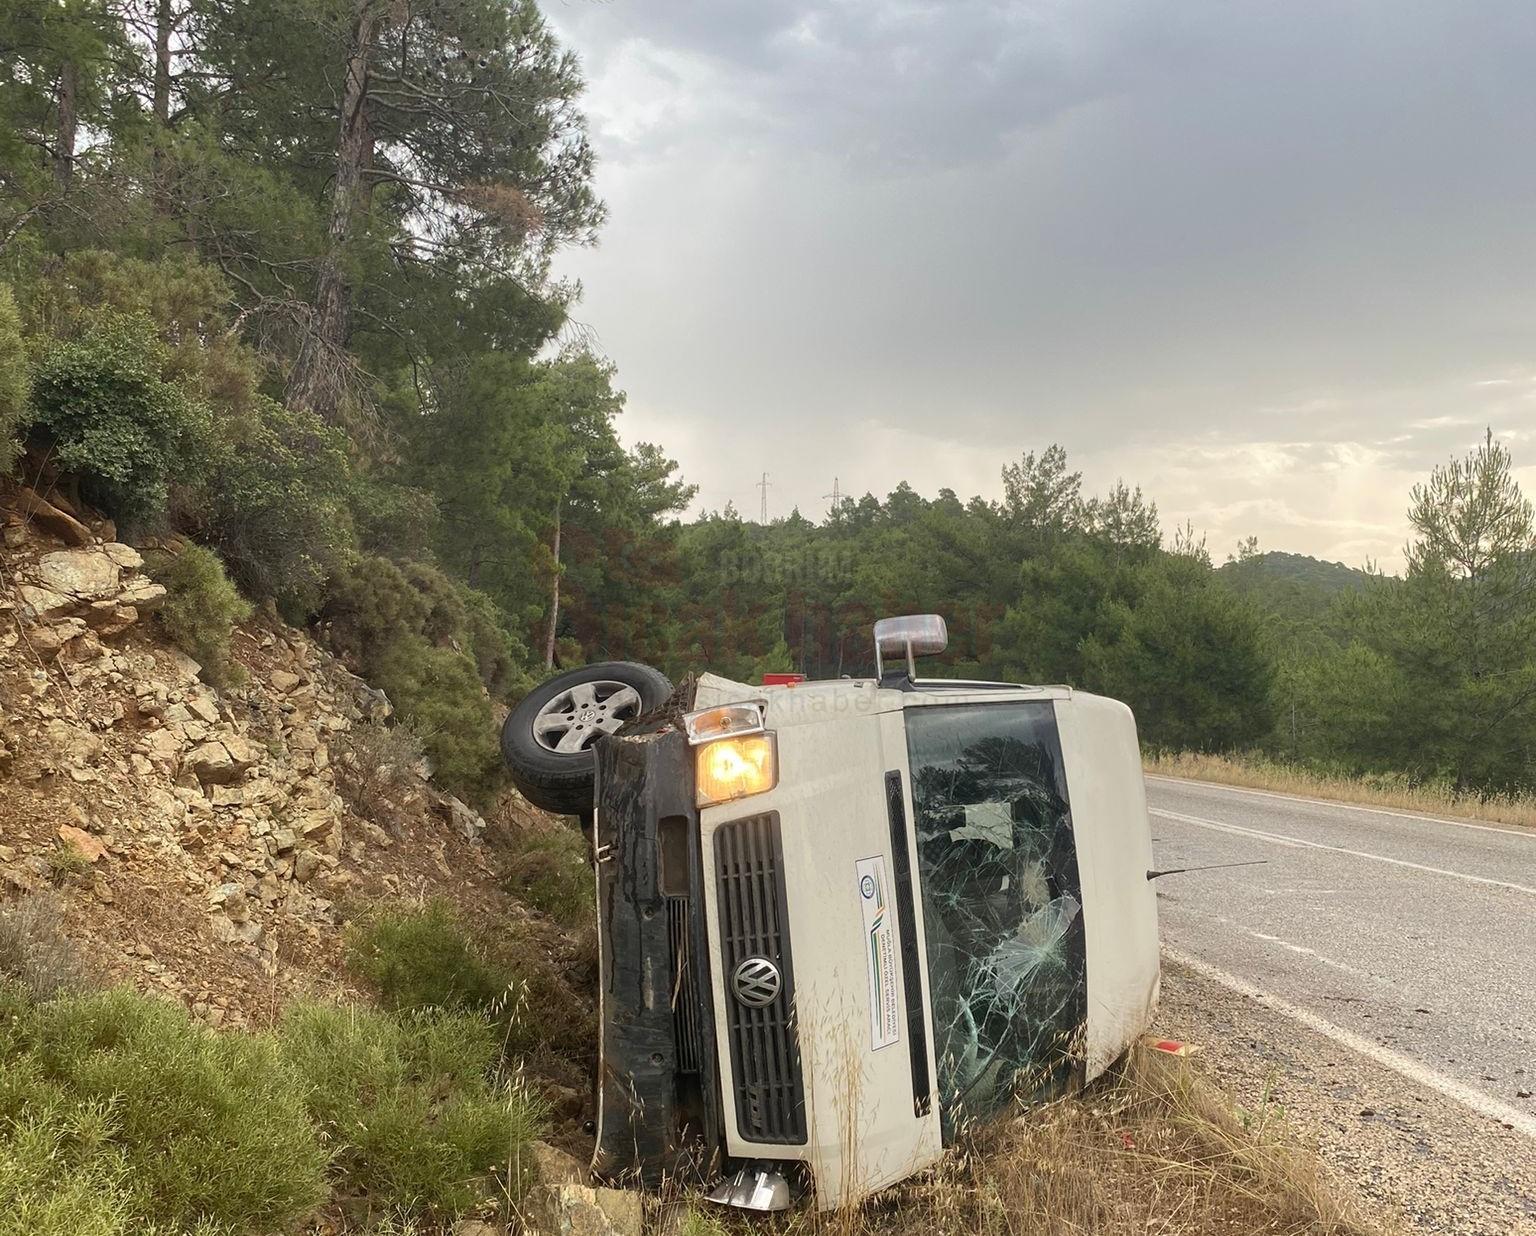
x,y
1269,261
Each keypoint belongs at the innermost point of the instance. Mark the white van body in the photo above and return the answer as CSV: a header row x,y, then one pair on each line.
x,y
875,1105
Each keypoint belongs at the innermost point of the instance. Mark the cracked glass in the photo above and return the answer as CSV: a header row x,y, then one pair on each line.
x,y
1002,903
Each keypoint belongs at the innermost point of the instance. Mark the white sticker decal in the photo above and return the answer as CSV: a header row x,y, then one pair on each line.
x,y
879,954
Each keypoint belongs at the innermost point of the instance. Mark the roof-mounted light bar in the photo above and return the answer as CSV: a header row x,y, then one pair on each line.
x,y
916,635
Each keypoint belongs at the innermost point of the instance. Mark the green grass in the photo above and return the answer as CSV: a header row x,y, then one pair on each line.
x,y
551,872
423,957
194,1127
410,1106
119,1114
427,957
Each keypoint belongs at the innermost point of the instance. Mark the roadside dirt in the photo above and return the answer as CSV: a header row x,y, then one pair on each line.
x,y
1406,1153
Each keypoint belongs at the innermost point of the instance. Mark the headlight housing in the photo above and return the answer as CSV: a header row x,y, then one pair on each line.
x,y
731,768
734,756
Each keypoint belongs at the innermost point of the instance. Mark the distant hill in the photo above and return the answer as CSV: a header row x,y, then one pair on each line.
x,y
1292,586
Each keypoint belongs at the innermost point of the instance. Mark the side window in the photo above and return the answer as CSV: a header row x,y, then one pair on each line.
x,y
1002,901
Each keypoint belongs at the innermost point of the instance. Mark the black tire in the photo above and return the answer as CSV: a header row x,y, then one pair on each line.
x,y
561,780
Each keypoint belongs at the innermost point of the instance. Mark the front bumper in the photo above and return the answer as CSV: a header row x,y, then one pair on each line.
x,y
658,1107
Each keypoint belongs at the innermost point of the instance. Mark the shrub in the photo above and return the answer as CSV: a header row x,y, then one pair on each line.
x,y
57,1179
374,766
186,303
423,958
208,1128
35,954
408,1103
201,608
427,958
65,864
408,631
275,504
551,872
440,697
101,404
15,383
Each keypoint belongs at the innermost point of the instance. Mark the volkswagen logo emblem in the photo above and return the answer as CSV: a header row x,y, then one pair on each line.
x,y
757,982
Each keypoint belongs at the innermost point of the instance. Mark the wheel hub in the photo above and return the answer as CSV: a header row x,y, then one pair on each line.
x,y
572,721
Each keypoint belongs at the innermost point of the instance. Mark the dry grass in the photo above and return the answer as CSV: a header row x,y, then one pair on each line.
x,y
1396,792
1152,1151
35,954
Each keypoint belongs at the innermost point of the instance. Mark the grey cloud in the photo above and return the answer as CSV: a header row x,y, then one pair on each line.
x,y
894,240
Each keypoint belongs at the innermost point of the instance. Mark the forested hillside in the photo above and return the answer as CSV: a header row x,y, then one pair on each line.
x,y
282,281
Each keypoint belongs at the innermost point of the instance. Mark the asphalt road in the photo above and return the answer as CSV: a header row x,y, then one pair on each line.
x,y
1410,940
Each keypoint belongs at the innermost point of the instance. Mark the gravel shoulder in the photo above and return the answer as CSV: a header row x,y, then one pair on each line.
x,y
1409,1156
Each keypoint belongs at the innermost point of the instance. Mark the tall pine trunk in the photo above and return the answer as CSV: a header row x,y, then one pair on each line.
x,y
68,98
554,598
164,19
161,103
315,380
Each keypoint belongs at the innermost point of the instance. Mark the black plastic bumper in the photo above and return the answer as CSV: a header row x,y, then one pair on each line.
x,y
658,1093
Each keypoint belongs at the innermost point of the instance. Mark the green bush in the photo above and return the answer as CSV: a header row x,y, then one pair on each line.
x,y
409,1105
427,958
201,608
15,382
434,649
57,1178
550,871
275,504
423,958
205,1127
187,303
101,404
439,695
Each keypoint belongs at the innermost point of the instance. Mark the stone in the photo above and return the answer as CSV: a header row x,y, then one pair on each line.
x,y
124,557
218,763
305,864
474,1227
285,680
144,595
88,847
466,823
580,1210
204,707
555,1167
161,745
283,840
227,796
84,574
48,641
316,824
43,604
123,617
186,669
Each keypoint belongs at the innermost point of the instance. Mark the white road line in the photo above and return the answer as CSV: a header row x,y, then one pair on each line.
x,y
1302,843
1508,830
1413,1070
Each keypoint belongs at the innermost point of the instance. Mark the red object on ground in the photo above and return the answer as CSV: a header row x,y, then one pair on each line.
x,y
1172,1046
782,680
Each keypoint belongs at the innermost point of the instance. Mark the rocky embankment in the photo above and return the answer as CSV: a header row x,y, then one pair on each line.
x,y
203,836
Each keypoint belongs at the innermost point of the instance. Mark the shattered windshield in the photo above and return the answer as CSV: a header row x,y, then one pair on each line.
x,y
1002,902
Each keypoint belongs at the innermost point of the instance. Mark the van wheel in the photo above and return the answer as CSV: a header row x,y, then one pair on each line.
x,y
548,738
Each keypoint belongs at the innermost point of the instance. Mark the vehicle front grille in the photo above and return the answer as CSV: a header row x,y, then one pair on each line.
x,y
686,1017
765,1049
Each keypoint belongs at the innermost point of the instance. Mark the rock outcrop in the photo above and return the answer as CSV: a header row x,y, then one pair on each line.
x,y
209,822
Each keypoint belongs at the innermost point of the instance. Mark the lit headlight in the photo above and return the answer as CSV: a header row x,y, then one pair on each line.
x,y
735,767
